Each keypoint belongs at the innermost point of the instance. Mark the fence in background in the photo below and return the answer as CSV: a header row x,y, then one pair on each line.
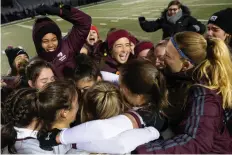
x,y
12,10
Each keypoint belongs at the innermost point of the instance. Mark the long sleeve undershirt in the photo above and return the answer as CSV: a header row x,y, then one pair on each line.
x,y
123,143
96,130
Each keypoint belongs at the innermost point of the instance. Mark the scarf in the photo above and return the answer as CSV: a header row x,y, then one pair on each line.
x,y
173,19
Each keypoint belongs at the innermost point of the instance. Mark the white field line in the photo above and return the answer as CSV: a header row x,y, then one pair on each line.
x,y
6,33
133,18
163,6
113,19
30,27
64,33
146,13
134,2
24,26
99,4
215,4
59,19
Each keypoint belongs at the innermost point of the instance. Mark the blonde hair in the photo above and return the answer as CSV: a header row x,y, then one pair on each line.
x,y
217,69
193,45
213,57
102,101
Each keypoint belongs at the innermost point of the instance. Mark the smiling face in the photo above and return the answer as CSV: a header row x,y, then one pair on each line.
x,y
173,9
121,50
92,37
49,42
172,58
159,57
46,76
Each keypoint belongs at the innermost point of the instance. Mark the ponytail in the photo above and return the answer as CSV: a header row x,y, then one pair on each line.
x,y
8,137
217,70
102,101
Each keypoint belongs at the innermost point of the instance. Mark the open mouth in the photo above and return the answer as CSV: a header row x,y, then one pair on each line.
x,y
51,50
22,63
124,56
92,40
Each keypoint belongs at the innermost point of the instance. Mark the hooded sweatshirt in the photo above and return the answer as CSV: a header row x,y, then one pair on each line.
x,y
63,57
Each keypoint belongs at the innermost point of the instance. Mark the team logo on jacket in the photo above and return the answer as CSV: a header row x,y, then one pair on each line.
x,y
213,18
61,56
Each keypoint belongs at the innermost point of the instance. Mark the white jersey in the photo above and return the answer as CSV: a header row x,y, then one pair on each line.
x,y
27,143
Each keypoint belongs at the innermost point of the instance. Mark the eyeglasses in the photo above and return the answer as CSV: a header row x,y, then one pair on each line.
x,y
173,9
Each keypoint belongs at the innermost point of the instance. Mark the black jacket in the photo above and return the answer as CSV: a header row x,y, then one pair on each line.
x,y
185,23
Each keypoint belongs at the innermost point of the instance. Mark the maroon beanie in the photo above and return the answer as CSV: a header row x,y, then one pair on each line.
x,y
142,46
115,35
133,39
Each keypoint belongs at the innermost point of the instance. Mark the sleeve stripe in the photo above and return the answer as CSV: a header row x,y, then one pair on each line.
x,y
191,126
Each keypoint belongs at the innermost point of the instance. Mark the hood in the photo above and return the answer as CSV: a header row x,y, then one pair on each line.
x,y
184,8
41,27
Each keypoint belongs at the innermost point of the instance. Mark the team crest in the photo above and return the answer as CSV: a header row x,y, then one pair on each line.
x,y
213,18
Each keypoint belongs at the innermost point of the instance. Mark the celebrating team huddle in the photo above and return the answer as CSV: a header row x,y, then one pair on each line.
x,y
83,95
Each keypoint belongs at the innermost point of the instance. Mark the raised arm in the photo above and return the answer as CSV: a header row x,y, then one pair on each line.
x,y
149,26
81,22
80,30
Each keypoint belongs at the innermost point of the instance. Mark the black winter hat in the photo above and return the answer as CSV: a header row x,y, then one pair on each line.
x,y
12,53
223,20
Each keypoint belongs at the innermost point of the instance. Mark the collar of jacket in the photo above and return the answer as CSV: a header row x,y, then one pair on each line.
x,y
24,133
112,62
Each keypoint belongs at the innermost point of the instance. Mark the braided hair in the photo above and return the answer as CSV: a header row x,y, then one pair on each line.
x,y
19,110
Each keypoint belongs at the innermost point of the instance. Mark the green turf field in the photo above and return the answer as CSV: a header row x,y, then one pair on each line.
x,y
119,14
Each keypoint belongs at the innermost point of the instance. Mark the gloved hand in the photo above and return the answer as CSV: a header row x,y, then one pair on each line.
x,y
45,9
141,19
48,140
62,5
